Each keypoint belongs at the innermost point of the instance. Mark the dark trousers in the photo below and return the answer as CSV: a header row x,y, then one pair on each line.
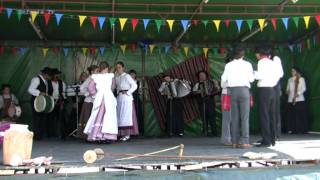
x,y
267,114
208,115
56,123
138,107
174,117
39,124
277,90
297,121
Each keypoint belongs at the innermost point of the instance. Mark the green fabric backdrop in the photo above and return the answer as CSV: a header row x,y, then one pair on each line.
x,y
19,69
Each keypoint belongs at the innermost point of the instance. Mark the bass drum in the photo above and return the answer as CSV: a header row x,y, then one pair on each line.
x,y
183,88
44,104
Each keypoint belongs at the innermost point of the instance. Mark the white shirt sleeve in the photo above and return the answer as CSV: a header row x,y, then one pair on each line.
x,y
302,86
133,84
278,64
161,89
251,74
64,90
33,87
195,87
224,77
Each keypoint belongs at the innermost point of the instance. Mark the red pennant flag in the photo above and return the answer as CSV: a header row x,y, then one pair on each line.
x,y
133,47
318,19
94,21
14,50
93,50
134,23
56,50
1,9
227,22
1,50
47,16
222,50
274,23
195,22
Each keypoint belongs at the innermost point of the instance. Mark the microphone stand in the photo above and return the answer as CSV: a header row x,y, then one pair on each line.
x,y
77,90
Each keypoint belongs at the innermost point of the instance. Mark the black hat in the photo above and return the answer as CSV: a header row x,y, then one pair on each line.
x,y
46,70
55,71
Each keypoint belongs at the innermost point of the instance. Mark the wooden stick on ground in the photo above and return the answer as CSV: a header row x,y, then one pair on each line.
x,y
181,146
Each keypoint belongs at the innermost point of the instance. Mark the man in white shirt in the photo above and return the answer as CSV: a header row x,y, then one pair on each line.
x,y
268,77
56,89
39,86
276,59
238,74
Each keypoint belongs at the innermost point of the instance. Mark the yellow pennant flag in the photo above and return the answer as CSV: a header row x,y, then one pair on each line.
x,y
170,23
151,46
123,48
186,50
217,24
84,51
45,51
306,21
205,51
81,19
34,14
261,23
122,22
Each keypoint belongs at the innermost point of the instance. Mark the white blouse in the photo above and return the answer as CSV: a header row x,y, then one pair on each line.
x,y
125,82
301,89
85,92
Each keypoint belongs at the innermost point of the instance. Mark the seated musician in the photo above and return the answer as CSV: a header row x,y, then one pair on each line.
x,y
206,89
174,107
8,103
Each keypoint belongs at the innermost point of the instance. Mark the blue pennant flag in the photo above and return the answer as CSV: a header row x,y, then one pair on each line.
x,y
23,51
239,24
291,47
184,24
285,22
65,51
101,21
145,47
167,48
9,12
58,17
145,23
101,50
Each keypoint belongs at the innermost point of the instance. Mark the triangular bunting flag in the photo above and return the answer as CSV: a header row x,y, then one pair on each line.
x,y
65,51
81,19
184,24
84,51
45,51
306,21
14,50
170,23
217,24
93,20
195,22
296,21
186,50
133,47
318,19
167,48
158,23
112,21
1,50
290,47
34,14
151,47
9,12
19,14
145,23
93,50
285,22
101,21
261,23
205,51
134,23
123,48
145,48
47,16
274,23
205,23
122,22
56,50
250,23
239,24
101,49
23,51
1,9
227,22
58,18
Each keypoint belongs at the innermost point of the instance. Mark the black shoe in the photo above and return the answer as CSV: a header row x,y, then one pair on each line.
x,y
263,145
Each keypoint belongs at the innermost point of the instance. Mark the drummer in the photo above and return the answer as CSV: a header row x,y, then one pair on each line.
x,y
7,100
39,86
56,89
